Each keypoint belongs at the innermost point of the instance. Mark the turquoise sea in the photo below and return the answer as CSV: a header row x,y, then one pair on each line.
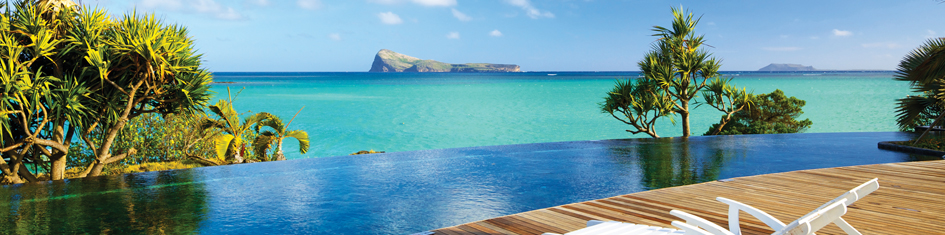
x,y
347,112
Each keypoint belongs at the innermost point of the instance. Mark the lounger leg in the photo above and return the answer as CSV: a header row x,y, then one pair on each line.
x,y
846,226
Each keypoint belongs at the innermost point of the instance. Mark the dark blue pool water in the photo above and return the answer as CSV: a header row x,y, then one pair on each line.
x,y
407,192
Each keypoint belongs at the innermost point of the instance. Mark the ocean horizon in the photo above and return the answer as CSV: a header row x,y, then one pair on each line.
x,y
553,71
346,112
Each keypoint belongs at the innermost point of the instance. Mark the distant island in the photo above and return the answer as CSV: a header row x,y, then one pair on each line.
x,y
389,61
787,67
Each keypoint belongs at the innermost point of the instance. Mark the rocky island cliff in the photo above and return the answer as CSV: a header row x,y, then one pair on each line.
x,y
786,67
389,61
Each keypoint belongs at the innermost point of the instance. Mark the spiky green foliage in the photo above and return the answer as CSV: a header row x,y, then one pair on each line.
x,y
924,69
275,136
44,100
231,145
139,65
68,69
725,97
640,103
674,71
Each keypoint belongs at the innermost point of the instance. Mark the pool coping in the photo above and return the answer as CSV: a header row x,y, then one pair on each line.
x,y
891,145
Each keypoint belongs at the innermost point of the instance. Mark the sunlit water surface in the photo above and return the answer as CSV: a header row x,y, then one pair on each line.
x,y
408,192
349,112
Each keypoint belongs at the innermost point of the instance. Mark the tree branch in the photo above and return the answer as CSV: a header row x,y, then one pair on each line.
x,y
117,87
115,158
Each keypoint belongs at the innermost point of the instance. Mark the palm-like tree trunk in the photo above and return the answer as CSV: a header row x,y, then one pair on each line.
x,y
238,154
684,114
279,156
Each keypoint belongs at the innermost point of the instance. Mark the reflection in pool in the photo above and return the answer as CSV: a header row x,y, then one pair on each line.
x,y
407,192
164,202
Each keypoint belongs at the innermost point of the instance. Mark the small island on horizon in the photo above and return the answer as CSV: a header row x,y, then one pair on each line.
x,y
390,61
786,67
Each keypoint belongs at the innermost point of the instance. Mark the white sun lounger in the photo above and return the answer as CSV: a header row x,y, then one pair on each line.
x,y
597,227
807,224
851,196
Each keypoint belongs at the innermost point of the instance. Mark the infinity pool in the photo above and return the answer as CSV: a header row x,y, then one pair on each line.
x,y
408,192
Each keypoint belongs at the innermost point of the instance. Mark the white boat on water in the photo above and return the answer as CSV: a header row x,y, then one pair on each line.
x,y
552,74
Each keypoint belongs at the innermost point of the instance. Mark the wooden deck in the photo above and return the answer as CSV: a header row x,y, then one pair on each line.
x,y
910,200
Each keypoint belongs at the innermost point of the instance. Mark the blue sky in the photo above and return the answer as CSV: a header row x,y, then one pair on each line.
x,y
541,35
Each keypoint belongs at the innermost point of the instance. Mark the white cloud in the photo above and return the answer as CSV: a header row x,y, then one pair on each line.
x,y
164,4
429,3
841,33
530,10
310,4
781,48
459,15
389,18
453,35
495,33
814,37
880,45
259,2
436,3
207,7
229,14
929,33
388,2
335,36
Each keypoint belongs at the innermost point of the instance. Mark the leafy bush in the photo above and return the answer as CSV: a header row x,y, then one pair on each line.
x,y
150,166
157,139
770,113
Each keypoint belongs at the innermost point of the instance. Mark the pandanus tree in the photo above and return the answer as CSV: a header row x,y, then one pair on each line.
x,y
673,74
924,69
44,101
275,136
728,99
142,66
70,72
641,102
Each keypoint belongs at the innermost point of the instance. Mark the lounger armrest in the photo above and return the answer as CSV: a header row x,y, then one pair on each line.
x,y
857,193
690,230
734,207
819,218
700,222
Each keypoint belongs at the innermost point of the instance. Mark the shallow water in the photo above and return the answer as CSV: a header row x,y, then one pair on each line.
x,y
348,112
408,192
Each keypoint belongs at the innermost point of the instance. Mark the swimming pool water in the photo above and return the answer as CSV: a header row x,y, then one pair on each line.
x,y
408,192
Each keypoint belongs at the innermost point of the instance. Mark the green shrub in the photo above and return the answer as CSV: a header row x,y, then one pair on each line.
x,y
771,113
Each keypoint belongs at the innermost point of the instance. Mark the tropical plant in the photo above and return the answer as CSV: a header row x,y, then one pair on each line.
x,y
44,102
771,113
275,136
167,138
641,102
140,66
70,71
231,144
674,72
924,69
726,98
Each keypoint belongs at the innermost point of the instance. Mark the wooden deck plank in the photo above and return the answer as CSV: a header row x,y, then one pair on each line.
x,y
911,200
